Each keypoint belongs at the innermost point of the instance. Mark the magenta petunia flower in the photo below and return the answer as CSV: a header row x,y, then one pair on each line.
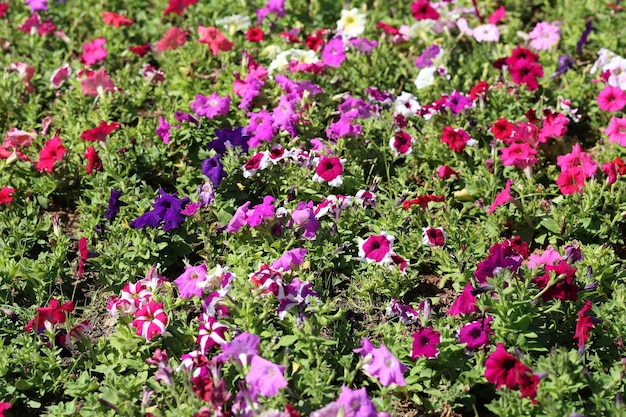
x,y
210,107
163,131
94,52
289,259
329,169
425,342
476,334
376,248
571,180
611,99
503,197
578,159
334,52
53,150
465,303
400,143
266,377
583,325
500,368
433,236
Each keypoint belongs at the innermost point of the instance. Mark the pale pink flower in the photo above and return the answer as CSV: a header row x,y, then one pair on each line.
x,y
544,36
617,130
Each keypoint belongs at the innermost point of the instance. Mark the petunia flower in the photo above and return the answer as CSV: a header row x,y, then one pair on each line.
x,y
611,99
422,10
376,248
503,197
214,170
60,75
400,143
583,325
115,20
425,342
97,84
99,133
163,130
334,53
6,195
465,303
500,368
178,6
289,259
93,160
52,151
544,36
571,181
476,334
114,205
188,282
150,320
210,334
215,40
266,377
46,317
616,130
211,106
355,403
275,7
386,367
352,23
174,38
433,236
614,168
94,52
564,285
37,5
329,169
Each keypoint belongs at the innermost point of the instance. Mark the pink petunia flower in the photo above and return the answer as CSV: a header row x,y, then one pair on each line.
x,y
211,106
188,283
116,20
503,197
616,130
173,39
577,158
6,195
94,52
544,36
334,52
400,143
465,303
211,334
611,99
97,84
99,133
583,325
216,41
93,160
150,320
59,76
386,367
476,334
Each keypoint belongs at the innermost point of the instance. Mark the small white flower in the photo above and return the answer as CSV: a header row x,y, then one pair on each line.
x,y
351,23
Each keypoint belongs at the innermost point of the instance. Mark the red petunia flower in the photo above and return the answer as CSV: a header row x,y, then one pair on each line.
x,y
178,6
99,133
141,50
456,139
423,200
93,160
116,20
255,34
49,316
52,151
500,368
564,288
583,325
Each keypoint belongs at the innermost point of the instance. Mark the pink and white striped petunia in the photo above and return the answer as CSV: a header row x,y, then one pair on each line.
x,y
211,334
150,320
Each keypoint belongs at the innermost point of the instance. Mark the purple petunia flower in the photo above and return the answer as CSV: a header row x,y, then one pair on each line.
x,y
213,169
266,377
242,348
426,58
289,259
476,334
211,106
166,209
114,205
275,7
386,367
163,131
37,5
334,52
187,282
357,401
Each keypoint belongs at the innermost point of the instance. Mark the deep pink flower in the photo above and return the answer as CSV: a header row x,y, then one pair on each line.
x,y
564,288
445,172
503,197
502,129
425,342
524,71
59,76
500,368
548,257
613,168
52,151
94,52
97,83
329,169
422,10
178,6
616,130
6,195
578,159
571,181
211,106
583,325
400,143
611,99
376,248
150,320
465,303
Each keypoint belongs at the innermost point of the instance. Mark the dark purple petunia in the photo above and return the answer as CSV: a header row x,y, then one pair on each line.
x,y
166,209
213,169
114,205
584,37
148,219
566,63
